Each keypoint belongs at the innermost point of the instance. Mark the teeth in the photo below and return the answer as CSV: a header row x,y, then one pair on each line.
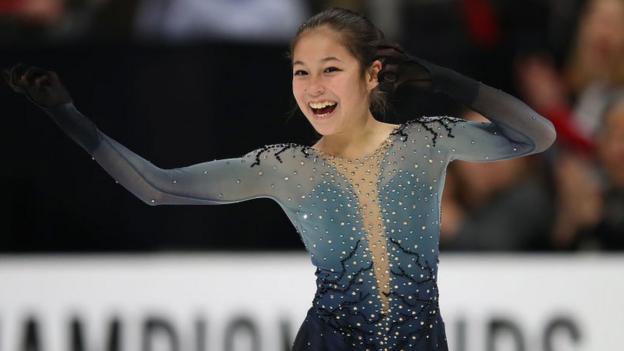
x,y
318,105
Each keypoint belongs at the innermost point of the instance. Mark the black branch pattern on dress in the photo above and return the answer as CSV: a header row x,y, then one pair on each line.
x,y
424,266
342,263
419,333
447,122
422,305
332,316
419,309
279,149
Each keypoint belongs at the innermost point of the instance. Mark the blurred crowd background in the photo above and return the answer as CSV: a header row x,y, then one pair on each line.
x,y
185,81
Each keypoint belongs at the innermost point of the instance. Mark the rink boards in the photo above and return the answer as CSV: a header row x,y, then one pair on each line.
x,y
256,301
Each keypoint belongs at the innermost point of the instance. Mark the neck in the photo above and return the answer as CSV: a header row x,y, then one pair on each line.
x,y
360,138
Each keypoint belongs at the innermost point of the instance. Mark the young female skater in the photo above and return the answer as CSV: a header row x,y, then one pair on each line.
x,y
365,199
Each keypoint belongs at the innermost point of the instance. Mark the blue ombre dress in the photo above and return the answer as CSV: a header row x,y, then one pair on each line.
x,y
371,225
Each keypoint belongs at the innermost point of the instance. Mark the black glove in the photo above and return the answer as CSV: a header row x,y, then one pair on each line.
x,y
43,88
400,68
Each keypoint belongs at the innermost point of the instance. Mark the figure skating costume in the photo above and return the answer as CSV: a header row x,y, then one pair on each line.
x,y
371,225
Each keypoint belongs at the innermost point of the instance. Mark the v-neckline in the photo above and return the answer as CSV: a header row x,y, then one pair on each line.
x,y
381,147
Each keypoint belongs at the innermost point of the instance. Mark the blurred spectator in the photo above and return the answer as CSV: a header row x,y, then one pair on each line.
x,y
591,203
30,21
544,89
609,232
596,68
502,206
574,100
594,72
251,20
35,12
578,200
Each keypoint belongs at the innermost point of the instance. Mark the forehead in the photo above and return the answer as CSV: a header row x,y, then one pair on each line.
x,y
316,44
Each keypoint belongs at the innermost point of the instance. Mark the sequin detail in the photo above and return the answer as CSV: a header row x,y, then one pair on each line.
x,y
380,295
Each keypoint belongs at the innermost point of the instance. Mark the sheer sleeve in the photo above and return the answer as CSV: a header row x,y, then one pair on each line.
x,y
514,129
211,183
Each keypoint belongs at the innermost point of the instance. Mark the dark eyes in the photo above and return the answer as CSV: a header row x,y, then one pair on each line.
x,y
326,70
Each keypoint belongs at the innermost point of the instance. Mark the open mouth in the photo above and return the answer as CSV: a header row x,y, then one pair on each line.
x,y
323,109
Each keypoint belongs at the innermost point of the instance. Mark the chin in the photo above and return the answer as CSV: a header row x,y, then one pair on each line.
x,y
324,129
321,128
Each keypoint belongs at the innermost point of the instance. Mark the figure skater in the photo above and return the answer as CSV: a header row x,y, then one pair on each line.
x,y
365,198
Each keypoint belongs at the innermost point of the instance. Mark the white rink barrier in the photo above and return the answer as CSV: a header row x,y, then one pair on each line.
x,y
256,302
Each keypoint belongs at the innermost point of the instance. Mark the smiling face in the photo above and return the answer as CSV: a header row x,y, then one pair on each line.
x,y
328,84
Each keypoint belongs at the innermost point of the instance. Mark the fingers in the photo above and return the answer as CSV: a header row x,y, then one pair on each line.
x,y
40,86
17,72
388,77
34,76
388,73
12,75
21,77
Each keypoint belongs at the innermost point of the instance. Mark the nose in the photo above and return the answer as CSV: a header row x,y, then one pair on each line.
x,y
315,88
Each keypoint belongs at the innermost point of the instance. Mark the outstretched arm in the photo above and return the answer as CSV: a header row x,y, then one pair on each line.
x,y
214,182
210,183
515,129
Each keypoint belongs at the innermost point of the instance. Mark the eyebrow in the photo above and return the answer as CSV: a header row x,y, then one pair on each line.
x,y
329,58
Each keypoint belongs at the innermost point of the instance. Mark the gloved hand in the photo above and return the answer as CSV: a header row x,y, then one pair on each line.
x,y
42,87
399,68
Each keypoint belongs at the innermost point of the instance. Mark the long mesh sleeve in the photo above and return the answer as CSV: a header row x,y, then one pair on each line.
x,y
515,129
214,182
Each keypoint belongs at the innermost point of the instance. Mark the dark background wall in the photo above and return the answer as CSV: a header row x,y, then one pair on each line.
x,y
173,106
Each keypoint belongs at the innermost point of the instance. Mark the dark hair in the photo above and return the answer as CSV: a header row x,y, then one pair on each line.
x,y
359,36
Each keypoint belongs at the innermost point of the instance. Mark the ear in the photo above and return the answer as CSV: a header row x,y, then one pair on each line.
x,y
372,74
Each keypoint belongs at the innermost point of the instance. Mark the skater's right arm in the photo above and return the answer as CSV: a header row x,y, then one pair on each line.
x,y
214,182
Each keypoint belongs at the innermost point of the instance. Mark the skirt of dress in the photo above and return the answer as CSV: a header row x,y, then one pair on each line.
x,y
315,335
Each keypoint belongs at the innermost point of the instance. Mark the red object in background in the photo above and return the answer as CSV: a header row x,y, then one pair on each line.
x,y
567,132
10,6
482,23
